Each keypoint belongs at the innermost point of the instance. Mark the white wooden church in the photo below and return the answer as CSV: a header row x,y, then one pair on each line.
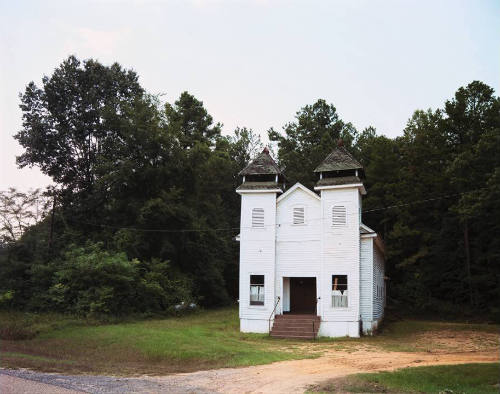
x,y
308,265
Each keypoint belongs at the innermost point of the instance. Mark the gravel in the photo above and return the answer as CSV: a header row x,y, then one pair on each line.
x,y
94,384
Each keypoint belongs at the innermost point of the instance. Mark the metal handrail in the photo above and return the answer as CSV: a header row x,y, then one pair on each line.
x,y
271,315
314,320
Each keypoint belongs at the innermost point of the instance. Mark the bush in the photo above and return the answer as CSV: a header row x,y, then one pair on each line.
x,y
91,281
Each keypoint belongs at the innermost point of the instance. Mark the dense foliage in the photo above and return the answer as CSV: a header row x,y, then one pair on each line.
x,y
145,209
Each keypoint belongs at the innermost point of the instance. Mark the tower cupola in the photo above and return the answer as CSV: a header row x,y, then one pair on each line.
x,y
261,174
339,168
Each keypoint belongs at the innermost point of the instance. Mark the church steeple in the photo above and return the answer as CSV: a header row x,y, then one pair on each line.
x,y
262,173
339,168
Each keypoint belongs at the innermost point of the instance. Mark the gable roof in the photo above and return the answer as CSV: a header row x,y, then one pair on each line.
x,y
263,164
339,159
300,186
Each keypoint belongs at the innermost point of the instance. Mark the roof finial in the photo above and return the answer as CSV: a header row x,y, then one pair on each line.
x,y
265,150
340,142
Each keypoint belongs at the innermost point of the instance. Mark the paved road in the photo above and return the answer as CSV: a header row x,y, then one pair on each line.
x,y
17,381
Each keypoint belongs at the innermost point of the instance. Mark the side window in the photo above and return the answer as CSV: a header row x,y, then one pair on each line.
x,y
299,215
256,289
258,217
339,291
339,216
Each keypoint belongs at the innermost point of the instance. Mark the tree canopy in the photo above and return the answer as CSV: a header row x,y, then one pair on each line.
x,y
145,196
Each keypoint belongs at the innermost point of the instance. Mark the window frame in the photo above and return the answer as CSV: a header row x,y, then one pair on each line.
x,y
347,290
262,290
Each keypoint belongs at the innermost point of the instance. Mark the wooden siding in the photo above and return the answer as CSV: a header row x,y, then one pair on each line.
x,y
341,253
257,253
366,279
298,246
378,280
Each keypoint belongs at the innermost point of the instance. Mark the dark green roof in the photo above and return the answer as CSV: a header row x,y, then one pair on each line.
x,y
263,164
340,159
259,186
342,180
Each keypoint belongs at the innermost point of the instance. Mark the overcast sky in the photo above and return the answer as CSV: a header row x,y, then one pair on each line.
x,y
254,63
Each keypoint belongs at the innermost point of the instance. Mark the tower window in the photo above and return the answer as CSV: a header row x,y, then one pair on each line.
x,y
339,216
299,215
258,217
339,291
256,289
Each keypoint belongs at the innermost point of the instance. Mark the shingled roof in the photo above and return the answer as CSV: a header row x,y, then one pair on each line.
x,y
340,159
263,164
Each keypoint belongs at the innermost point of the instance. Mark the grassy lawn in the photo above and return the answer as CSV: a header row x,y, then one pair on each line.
x,y
204,340
465,378
207,339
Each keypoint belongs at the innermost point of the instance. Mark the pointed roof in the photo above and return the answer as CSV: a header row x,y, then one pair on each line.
x,y
340,159
261,165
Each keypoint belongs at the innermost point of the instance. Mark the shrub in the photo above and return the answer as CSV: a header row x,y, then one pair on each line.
x,y
91,281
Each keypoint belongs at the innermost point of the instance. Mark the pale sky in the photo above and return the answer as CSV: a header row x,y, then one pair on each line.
x,y
254,63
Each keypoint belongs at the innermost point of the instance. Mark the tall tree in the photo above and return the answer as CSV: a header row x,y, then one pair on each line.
x,y
307,141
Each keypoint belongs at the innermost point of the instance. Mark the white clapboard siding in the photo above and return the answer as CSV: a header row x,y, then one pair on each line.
x,y
366,279
378,284
257,255
298,240
340,252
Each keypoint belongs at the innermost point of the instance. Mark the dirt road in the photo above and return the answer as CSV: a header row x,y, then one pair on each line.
x,y
280,377
295,376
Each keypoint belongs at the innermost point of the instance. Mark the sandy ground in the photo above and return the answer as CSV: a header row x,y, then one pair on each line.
x,y
295,376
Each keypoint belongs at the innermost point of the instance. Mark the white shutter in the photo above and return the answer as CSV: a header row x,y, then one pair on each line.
x,y
339,215
298,215
258,217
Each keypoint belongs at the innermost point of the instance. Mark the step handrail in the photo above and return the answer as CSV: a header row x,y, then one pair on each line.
x,y
271,315
314,331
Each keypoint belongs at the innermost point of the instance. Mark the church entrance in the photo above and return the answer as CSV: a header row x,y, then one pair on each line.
x,y
301,296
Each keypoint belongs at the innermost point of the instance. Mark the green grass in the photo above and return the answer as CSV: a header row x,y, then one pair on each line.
x,y
207,339
464,378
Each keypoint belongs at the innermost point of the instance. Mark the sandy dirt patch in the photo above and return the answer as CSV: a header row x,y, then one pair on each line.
x,y
295,376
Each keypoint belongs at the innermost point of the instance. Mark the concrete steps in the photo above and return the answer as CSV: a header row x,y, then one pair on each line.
x,y
296,326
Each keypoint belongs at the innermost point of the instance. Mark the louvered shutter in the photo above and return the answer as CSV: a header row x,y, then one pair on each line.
x,y
339,215
298,215
258,217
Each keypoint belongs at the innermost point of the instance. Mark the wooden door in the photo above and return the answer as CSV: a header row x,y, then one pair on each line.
x,y
303,295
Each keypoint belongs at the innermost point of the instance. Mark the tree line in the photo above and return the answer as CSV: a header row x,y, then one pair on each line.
x,y
144,211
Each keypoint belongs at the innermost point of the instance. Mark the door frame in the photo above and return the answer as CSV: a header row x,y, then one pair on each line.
x,y
318,292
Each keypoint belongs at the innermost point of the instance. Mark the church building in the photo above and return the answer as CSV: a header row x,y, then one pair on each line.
x,y
308,265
